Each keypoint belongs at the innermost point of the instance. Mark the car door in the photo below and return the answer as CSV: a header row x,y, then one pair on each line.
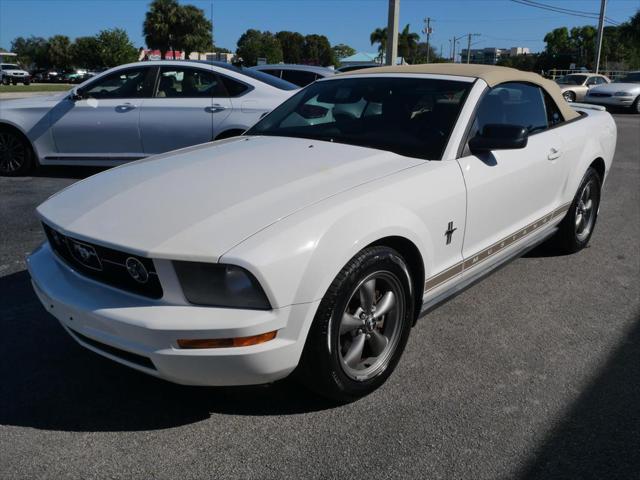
x,y
187,106
102,121
510,190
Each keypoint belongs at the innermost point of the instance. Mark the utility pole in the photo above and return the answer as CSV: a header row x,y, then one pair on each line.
x,y
427,30
454,47
392,32
469,35
603,7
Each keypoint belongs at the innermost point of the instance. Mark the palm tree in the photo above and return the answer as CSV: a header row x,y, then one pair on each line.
x,y
159,25
408,43
379,35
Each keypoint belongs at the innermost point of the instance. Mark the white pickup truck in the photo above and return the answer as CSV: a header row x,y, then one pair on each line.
x,y
10,73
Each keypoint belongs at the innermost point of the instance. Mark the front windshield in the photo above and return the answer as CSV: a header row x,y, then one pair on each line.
x,y
572,79
630,78
10,66
409,116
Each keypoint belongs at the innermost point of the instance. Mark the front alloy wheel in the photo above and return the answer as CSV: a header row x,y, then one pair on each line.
x,y
15,154
569,96
361,327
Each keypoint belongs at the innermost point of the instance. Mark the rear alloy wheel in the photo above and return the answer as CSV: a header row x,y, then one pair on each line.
x,y
576,228
361,327
636,105
569,96
15,154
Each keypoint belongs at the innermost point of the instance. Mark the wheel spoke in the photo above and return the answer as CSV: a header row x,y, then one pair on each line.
x,y
578,221
586,193
367,295
377,342
588,205
386,303
349,323
354,354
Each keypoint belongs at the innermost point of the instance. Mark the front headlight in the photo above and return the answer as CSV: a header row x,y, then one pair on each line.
x,y
623,94
219,285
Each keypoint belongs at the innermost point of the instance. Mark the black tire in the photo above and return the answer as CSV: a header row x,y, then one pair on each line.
x,y
568,239
27,82
322,367
6,81
569,96
635,108
16,155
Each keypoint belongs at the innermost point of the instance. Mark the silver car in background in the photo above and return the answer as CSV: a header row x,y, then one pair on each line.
x,y
133,111
301,75
576,85
624,92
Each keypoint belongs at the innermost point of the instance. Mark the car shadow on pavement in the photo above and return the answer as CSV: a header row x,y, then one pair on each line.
x,y
49,382
598,437
50,171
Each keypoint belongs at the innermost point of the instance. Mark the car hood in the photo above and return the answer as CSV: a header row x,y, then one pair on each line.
x,y
616,87
199,202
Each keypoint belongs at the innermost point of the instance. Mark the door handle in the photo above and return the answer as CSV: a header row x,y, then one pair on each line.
x,y
216,107
553,154
125,107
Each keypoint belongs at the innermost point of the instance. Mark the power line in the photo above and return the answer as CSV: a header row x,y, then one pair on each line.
x,y
564,11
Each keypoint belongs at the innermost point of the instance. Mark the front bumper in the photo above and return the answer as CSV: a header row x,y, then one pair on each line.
x,y
612,101
129,329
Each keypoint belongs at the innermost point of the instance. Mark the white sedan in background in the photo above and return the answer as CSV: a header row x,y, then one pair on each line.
x,y
133,111
315,241
622,93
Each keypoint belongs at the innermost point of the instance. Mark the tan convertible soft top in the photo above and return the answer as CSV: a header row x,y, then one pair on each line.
x,y
491,74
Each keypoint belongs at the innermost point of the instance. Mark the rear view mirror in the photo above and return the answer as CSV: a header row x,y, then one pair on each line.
x,y
312,111
76,94
499,137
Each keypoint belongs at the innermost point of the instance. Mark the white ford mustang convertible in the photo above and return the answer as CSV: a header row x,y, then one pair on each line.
x,y
313,243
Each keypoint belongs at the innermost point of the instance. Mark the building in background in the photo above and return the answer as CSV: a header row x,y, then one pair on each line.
x,y
491,55
366,59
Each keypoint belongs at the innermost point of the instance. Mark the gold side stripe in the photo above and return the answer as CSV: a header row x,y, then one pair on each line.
x,y
474,260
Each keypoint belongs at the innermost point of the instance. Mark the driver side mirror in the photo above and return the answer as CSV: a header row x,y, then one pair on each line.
x,y
495,136
76,94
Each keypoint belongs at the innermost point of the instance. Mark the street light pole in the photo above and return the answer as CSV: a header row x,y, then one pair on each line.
x,y
427,30
469,35
603,7
392,32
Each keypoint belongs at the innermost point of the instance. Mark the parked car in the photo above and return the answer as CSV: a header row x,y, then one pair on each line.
x,y
576,85
136,110
78,75
301,75
316,240
10,73
623,93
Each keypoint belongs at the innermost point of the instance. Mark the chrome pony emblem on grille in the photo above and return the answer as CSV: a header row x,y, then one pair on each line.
x,y
137,270
85,254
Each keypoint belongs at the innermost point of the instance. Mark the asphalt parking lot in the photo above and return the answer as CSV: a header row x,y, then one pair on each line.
x,y
533,373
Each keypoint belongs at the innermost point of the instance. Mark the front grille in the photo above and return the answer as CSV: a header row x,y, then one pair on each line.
x,y
105,264
116,352
596,94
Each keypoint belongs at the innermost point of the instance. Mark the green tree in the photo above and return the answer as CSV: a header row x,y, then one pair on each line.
x,y
421,54
160,24
343,51
254,44
59,51
85,52
379,36
408,44
32,51
630,34
583,40
558,41
192,30
317,51
115,48
292,46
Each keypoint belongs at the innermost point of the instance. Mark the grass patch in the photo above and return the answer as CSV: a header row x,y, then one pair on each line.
x,y
35,87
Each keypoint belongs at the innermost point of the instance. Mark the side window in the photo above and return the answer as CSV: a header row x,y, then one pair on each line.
x,y
592,81
554,117
234,87
188,83
302,79
275,73
600,81
512,103
121,84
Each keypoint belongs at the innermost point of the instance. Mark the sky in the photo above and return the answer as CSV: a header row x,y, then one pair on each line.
x,y
501,23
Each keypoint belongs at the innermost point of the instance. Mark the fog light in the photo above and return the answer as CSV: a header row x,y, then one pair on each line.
x,y
226,342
